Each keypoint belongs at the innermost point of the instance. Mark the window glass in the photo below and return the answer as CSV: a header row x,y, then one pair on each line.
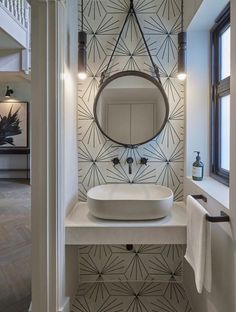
x,y
225,131
225,53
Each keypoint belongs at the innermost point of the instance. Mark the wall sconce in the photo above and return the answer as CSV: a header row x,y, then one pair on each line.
x,y
82,51
9,92
182,48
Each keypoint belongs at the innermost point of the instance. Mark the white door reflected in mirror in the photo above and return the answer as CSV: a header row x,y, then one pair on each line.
x,y
131,108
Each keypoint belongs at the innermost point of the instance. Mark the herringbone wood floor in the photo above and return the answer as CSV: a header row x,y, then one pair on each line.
x,y
15,246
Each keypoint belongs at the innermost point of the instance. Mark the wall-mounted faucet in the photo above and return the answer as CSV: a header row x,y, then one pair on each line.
x,y
130,160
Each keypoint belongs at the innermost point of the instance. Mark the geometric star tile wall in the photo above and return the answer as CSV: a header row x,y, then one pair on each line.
x,y
130,297
145,279
103,263
160,22
148,278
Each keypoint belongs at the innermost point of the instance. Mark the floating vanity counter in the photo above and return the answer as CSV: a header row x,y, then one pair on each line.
x,y
84,229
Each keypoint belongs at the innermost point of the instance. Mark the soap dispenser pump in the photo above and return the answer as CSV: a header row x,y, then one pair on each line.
x,y
197,172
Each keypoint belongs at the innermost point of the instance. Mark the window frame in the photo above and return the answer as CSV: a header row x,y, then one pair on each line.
x,y
219,88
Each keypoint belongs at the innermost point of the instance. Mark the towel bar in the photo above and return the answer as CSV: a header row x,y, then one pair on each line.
x,y
223,216
200,197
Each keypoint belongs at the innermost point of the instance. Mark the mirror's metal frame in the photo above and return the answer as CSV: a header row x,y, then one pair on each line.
x,y
137,74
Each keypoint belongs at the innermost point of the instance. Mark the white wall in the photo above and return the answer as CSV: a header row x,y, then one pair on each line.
x,y
222,296
68,178
70,112
22,91
197,103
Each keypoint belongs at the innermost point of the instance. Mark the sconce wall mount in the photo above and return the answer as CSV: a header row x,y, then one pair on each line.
x,y
182,45
9,92
82,50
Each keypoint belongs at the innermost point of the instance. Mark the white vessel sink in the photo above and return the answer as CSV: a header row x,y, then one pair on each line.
x,y
130,201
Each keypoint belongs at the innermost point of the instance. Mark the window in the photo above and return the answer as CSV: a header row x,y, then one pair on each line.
x,y
220,112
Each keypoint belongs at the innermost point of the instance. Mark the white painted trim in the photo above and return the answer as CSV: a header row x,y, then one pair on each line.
x,y
49,55
12,27
44,156
12,16
39,160
233,127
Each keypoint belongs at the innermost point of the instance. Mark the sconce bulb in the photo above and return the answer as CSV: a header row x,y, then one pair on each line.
x,y
82,75
182,76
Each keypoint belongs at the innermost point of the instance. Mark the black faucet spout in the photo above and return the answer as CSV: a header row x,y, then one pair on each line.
x,y
130,160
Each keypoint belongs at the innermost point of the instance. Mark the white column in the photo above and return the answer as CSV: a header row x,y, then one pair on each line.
x,y
54,183
44,155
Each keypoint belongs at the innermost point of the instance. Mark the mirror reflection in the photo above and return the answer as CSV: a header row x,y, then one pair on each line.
x,y
131,109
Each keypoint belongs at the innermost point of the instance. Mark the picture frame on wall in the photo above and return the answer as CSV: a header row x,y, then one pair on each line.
x,y
14,127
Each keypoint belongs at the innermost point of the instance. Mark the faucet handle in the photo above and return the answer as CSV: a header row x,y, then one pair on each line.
x,y
143,161
115,161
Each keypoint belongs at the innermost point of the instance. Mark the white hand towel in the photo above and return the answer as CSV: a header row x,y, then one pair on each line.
x,y
198,252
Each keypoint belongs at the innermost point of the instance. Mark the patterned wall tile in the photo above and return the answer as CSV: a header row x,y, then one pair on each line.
x,y
143,263
130,297
148,278
160,21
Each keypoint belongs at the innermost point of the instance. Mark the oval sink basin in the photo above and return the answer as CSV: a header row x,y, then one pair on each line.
x,y
130,201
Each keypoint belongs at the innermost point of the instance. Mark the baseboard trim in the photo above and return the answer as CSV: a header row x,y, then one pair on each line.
x,y
64,308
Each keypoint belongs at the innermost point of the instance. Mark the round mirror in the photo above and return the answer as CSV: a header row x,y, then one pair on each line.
x,y
131,108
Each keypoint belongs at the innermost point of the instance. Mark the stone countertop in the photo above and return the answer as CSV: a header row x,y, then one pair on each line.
x,y
81,228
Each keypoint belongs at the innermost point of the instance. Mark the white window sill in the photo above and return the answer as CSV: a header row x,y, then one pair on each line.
x,y
215,189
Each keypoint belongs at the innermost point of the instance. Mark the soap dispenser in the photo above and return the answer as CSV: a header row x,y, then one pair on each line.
x,y
197,172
